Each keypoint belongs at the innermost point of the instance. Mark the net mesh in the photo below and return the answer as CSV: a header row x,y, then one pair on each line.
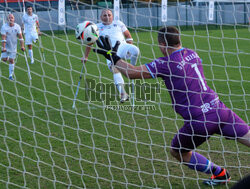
x,y
44,143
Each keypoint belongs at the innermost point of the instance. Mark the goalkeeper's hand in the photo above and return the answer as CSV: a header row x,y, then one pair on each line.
x,y
106,49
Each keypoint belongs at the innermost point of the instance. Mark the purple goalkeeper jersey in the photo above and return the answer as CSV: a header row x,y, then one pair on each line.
x,y
183,75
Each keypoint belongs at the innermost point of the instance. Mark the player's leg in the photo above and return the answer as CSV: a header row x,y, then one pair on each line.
x,y
189,137
129,51
4,56
28,42
31,53
11,68
119,83
133,54
12,57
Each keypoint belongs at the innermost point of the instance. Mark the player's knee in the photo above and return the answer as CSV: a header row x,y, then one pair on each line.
x,y
135,51
11,61
4,59
115,70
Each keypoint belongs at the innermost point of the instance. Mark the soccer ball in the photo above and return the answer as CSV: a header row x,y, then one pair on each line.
x,y
87,32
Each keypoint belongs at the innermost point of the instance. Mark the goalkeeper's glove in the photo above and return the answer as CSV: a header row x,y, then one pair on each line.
x,y
106,49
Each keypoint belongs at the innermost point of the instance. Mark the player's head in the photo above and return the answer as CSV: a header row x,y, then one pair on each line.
x,y
168,38
11,19
29,10
107,16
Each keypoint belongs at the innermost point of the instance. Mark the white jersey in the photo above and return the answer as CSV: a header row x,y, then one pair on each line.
x,y
114,30
11,36
30,23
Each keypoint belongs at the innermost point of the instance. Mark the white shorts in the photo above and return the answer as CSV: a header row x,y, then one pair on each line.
x,y
30,38
124,51
10,55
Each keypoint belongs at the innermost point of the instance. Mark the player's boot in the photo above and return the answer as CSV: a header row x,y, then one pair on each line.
x,y
222,178
124,98
32,61
11,78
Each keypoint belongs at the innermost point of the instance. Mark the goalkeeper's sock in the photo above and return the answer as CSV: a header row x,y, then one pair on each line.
x,y
31,55
200,163
119,83
11,69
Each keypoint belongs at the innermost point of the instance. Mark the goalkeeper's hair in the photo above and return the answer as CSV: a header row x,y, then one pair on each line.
x,y
169,36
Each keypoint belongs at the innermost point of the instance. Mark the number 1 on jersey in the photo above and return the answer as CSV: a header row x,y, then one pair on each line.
x,y
199,75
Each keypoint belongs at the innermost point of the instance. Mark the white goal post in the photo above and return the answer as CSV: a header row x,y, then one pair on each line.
x,y
44,143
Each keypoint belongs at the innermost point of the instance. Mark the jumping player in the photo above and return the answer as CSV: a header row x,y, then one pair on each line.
x,y
10,31
117,31
31,30
203,112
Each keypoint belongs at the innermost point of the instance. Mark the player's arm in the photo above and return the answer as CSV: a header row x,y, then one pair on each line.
x,y
133,72
38,27
22,26
128,37
20,36
3,43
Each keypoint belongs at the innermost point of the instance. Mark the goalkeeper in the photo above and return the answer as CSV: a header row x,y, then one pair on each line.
x,y
10,31
31,30
117,32
203,112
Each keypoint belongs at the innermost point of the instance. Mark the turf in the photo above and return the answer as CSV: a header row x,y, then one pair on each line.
x,y
44,143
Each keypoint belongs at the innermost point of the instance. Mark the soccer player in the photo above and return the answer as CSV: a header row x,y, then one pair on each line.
x,y
117,31
31,30
203,112
10,31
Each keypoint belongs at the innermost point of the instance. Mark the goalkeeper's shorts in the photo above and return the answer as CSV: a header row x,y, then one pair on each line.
x,y
30,38
222,121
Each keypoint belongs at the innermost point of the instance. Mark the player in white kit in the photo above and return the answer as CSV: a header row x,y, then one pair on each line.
x,y
31,30
117,31
10,31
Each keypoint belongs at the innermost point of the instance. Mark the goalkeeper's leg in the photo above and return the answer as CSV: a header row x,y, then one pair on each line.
x,y
189,137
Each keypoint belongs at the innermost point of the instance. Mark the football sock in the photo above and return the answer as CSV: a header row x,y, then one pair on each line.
x,y
200,163
31,55
11,69
119,83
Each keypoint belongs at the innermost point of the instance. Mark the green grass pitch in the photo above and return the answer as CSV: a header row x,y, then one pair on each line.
x,y
44,143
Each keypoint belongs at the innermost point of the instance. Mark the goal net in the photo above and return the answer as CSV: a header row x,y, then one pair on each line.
x,y
44,143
